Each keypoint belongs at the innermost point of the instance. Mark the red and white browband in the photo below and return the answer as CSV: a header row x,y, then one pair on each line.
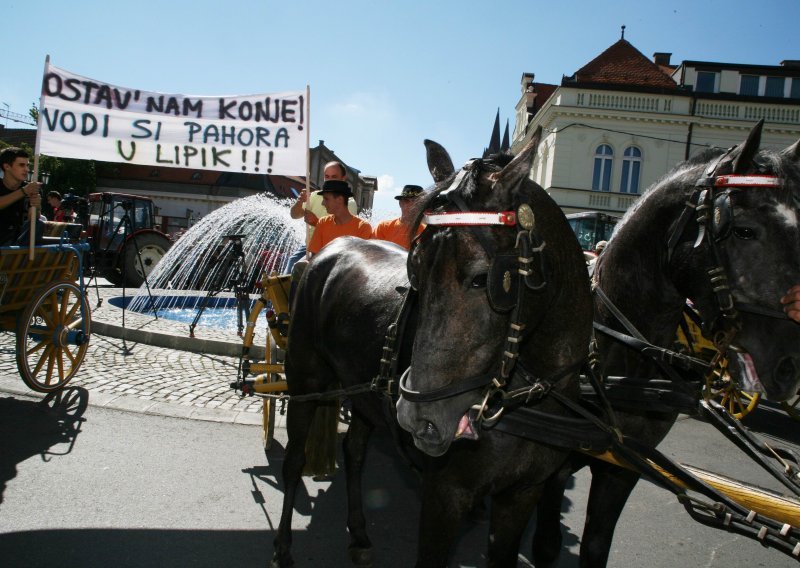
x,y
457,218
747,181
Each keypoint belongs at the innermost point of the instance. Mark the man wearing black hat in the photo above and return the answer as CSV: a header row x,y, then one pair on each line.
x,y
398,230
339,222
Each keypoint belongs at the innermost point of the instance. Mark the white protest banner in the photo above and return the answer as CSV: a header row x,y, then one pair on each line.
x,y
89,119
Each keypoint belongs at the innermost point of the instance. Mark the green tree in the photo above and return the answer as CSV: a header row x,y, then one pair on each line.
x,y
67,175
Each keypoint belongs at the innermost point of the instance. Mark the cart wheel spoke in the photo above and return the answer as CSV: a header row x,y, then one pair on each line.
x,y
45,315
71,315
45,357
72,358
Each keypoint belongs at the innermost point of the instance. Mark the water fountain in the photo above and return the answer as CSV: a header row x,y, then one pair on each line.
x,y
199,261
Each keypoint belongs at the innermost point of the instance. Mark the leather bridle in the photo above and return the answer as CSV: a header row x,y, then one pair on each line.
x,y
508,276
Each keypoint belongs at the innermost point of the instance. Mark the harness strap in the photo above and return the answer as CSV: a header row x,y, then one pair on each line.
x,y
650,394
761,311
663,358
655,352
736,432
545,427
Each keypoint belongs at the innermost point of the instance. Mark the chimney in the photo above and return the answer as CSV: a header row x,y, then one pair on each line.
x,y
527,82
790,63
661,58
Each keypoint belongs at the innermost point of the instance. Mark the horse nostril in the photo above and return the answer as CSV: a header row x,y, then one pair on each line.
x,y
429,433
786,370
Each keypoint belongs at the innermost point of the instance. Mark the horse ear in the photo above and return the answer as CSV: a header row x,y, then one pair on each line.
x,y
439,163
520,166
793,151
748,150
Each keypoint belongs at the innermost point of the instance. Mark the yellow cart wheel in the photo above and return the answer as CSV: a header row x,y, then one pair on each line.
x,y
791,407
53,336
737,402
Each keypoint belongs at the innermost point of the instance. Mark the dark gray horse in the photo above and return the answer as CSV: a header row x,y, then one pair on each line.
x,y
733,251
481,325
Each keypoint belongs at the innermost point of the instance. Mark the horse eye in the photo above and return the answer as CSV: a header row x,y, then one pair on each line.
x,y
744,233
480,280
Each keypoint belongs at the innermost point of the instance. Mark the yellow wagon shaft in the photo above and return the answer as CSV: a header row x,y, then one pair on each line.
x,y
762,501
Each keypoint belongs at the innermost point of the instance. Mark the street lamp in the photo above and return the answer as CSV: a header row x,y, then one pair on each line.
x,y
44,176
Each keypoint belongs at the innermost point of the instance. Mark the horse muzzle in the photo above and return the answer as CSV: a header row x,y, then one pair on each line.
x,y
433,433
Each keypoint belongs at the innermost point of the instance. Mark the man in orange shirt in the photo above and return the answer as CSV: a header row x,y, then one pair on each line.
x,y
399,230
339,222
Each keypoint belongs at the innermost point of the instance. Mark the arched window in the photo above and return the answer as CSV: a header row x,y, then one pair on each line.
x,y
631,165
601,177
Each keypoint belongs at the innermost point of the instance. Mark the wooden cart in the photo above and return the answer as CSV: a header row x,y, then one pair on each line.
x,y
43,302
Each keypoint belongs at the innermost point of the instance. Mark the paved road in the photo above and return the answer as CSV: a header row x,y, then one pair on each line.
x,y
97,487
116,477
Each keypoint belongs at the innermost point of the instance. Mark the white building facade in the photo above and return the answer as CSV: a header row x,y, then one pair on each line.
x,y
616,126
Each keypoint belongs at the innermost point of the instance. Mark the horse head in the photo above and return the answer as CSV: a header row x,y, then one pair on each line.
x,y
733,249
490,270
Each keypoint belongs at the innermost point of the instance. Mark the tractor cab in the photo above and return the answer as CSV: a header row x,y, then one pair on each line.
x,y
124,243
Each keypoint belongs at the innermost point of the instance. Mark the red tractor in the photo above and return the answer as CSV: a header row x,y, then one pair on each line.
x,y
125,246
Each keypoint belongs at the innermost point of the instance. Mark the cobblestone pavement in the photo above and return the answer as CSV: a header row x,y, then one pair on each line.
x,y
152,366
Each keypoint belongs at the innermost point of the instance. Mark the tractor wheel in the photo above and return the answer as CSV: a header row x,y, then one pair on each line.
x,y
152,248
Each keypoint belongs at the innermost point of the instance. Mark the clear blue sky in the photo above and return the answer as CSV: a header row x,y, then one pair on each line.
x,y
384,75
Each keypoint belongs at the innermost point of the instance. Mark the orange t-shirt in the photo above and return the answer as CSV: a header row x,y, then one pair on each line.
x,y
327,230
395,232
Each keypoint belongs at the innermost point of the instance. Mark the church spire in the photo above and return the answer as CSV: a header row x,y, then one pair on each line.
x,y
494,142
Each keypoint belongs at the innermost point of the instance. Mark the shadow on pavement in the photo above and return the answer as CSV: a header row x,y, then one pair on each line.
x,y
90,548
29,428
391,506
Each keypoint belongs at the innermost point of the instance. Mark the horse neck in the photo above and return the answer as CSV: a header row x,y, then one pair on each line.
x,y
634,274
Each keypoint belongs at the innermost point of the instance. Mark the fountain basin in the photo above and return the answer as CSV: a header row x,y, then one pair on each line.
x,y
220,311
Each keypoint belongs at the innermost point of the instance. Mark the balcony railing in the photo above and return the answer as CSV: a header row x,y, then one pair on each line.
x,y
784,114
639,103
588,200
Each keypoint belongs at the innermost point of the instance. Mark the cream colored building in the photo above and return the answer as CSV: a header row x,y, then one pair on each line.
x,y
623,120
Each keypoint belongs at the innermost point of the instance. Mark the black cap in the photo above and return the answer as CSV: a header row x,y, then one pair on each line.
x,y
410,192
336,186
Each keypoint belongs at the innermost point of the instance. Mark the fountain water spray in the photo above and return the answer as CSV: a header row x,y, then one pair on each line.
x,y
198,260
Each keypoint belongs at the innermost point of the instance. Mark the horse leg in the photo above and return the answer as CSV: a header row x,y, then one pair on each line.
x,y
548,538
444,505
511,512
610,488
299,416
355,449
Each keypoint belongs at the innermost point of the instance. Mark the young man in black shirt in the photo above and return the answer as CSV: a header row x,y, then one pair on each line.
x,y
15,195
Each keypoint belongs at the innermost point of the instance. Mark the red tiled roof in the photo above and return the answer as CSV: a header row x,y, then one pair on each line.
x,y
624,65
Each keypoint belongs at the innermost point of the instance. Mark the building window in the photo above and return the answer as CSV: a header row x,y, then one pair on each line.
x,y
748,85
601,177
631,165
705,82
795,92
774,87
